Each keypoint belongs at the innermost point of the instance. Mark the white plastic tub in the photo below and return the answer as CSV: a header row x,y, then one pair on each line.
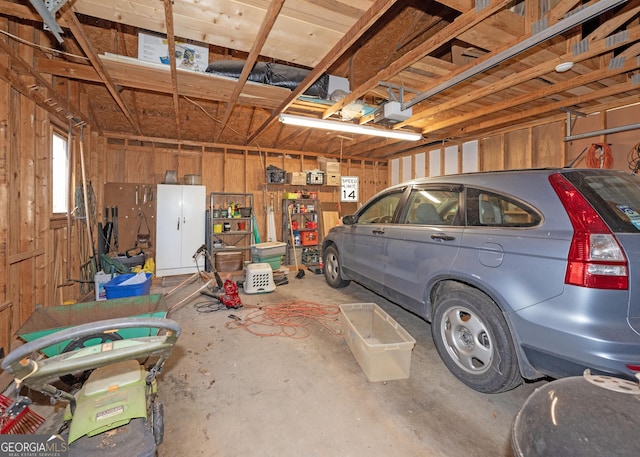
x,y
380,345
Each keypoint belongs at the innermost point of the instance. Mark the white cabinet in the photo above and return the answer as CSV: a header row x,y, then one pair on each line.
x,y
180,228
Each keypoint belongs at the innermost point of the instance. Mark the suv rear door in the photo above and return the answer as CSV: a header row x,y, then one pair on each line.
x,y
507,251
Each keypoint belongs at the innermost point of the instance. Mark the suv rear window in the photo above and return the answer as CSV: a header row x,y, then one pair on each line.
x,y
614,195
485,208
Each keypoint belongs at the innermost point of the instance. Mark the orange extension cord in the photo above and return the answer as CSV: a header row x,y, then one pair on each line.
x,y
633,158
290,319
599,156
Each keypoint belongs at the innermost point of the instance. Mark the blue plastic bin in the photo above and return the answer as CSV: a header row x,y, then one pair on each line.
x,y
115,289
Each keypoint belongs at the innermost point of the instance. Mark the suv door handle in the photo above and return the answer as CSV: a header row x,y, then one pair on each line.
x,y
442,236
378,232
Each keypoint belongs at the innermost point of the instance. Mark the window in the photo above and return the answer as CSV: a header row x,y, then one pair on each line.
x,y
381,211
432,206
489,209
59,174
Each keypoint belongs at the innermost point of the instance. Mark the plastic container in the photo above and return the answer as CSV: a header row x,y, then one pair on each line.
x,y
309,238
193,180
268,249
259,279
379,344
100,279
274,261
115,288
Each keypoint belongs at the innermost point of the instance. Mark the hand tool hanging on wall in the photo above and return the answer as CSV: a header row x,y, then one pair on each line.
x,y
107,232
143,240
114,217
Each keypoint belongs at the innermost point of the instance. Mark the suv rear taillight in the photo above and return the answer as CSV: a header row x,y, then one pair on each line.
x,y
595,258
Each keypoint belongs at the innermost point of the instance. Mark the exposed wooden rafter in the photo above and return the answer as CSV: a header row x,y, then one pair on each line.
x,y
171,41
76,28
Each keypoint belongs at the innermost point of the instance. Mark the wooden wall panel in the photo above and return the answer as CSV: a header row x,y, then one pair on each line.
x,y
234,166
547,146
6,308
517,149
622,143
189,162
577,147
492,150
163,160
137,165
212,170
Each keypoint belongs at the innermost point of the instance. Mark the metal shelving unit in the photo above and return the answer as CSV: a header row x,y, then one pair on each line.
x,y
305,218
229,232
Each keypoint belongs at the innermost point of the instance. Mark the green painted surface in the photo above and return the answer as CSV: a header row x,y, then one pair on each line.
x,y
50,319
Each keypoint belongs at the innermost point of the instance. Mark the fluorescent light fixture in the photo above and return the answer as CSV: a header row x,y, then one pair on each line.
x,y
348,127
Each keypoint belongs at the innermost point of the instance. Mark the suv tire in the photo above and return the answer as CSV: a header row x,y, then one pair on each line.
x,y
473,340
332,268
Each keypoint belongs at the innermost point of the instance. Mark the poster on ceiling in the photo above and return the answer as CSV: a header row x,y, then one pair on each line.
x,y
155,48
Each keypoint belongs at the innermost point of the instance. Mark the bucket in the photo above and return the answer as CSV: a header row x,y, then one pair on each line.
x,y
242,226
217,228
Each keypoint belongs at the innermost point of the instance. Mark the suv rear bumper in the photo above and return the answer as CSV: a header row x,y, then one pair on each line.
x,y
559,340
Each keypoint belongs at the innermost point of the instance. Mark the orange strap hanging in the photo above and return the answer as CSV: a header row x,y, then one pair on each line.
x,y
599,156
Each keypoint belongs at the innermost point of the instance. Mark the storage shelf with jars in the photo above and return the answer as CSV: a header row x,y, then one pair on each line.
x,y
230,228
305,225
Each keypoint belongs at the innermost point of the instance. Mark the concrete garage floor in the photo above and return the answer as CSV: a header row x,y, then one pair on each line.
x,y
231,393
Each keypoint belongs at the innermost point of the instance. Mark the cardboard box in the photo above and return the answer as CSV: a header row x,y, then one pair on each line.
x,y
330,167
297,178
379,344
332,180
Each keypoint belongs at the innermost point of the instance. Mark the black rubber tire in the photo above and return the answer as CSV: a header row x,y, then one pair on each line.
x,y
72,379
332,268
158,422
473,340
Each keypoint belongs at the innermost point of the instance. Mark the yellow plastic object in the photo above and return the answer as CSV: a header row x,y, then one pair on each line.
x,y
149,267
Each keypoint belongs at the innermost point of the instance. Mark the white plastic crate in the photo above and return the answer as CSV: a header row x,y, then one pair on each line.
x,y
259,278
379,344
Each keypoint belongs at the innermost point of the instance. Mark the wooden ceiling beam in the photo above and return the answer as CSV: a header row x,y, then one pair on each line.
x,y
519,116
42,91
265,28
590,77
171,44
462,23
76,29
368,19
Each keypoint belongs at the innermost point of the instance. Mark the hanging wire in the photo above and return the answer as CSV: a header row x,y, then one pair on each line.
x,y
633,158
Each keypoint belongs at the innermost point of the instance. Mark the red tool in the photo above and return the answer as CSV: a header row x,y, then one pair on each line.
x,y
231,299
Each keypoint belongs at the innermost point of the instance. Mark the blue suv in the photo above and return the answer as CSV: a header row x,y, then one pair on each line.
x,y
522,274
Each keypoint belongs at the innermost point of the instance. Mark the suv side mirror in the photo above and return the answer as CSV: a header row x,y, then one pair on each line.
x,y
349,220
